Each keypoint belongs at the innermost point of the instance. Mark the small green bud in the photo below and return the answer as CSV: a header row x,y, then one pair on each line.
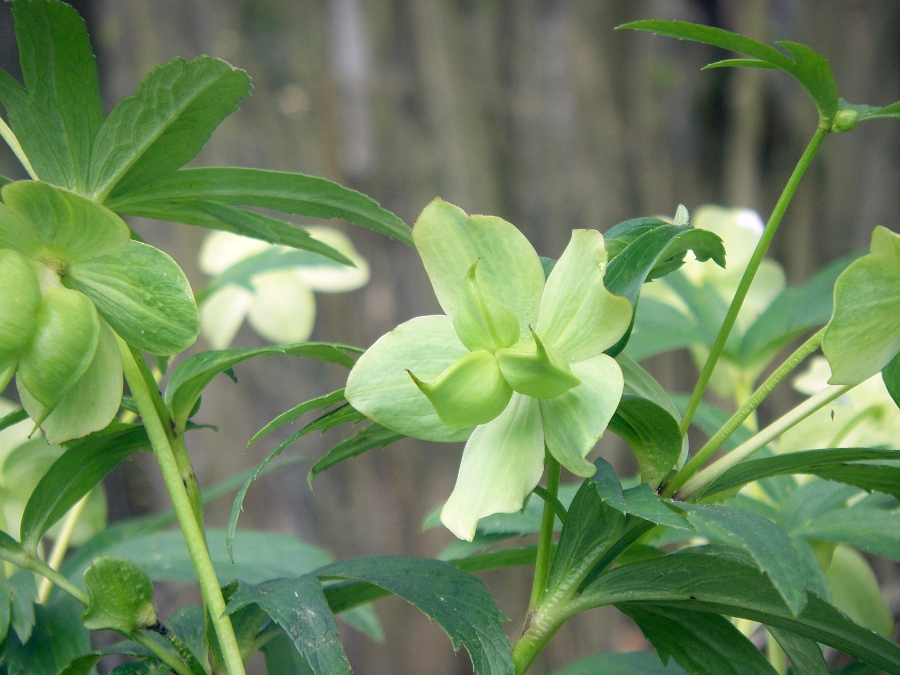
x,y
533,370
481,322
844,120
20,296
470,392
121,596
66,334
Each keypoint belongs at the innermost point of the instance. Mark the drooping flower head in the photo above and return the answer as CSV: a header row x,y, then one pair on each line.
x,y
515,364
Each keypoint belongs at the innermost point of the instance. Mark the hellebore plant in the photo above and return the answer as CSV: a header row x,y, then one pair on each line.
x,y
529,365
515,365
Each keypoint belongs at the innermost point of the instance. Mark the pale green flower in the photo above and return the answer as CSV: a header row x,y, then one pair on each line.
x,y
515,364
866,416
277,298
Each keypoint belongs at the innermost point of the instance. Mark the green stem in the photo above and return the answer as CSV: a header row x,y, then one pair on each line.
x,y
61,545
42,568
545,541
755,261
193,535
745,411
7,135
763,438
161,653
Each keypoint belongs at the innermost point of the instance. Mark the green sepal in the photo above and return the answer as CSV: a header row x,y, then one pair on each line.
x,y
481,322
56,226
533,370
121,596
20,295
67,331
470,392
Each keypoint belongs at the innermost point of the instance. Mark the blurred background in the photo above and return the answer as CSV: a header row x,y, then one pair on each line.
x,y
533,110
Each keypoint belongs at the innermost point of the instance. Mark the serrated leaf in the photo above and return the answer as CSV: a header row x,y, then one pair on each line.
x,y
299,607
22,593
660,328
286,192
258,556
838,464
872,530
722,582
652,434
164,125
457,601
804,65
319,403
282,658
657,252
121,596
767,544
622,663
368,438
707,644
144,296
73,475
868,112
57,638
805,655
57,114
190,377
327,421
794,311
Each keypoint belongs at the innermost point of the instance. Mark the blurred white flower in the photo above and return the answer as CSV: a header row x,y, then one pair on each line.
x,y
277,298
866,416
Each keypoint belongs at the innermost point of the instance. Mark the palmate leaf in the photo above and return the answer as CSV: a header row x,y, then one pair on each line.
x,y
805,655
58,638
457,601
870,529
286,192
299,607
723,581
164,125
58,112
368,438
190,378
319,403
802,63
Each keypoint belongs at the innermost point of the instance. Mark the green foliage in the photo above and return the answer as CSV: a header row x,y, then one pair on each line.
x,y
121,596
652,434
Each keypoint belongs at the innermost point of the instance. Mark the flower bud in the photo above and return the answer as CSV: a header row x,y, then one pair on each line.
x,y
20,295
67,330
844,120
533,370
481,322
470,392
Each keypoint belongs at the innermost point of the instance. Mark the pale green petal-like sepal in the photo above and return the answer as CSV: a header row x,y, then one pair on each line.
x,y
501,464
482,322
380,387
91,403
864,332
533,370
579,318
470,392
283,308
575,421
510,271
20,295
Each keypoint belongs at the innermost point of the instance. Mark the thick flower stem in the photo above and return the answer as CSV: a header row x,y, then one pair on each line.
x,y
184,511
755,261
545,542
745,411
771,432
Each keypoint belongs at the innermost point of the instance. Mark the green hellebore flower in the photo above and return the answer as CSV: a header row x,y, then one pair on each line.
x,y
509,389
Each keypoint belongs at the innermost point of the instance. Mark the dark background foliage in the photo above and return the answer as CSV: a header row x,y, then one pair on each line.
x,y
533,110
